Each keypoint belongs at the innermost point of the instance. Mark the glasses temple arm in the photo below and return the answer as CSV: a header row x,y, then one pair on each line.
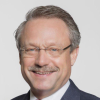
x,y
67,47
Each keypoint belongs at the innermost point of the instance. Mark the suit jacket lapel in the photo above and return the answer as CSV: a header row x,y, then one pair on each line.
x,y
72,92
27,96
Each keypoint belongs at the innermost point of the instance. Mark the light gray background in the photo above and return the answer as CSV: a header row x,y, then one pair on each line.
x,y
85,72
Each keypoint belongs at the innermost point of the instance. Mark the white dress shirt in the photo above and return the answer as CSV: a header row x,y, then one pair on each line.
x,y
56,96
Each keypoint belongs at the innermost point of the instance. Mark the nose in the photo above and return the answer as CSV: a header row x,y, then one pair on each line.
x,y
42,59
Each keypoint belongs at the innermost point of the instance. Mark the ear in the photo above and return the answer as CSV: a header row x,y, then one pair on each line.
x,y
74,55
19,58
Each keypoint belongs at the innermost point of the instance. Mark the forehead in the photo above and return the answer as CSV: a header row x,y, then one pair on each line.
x,y
43,30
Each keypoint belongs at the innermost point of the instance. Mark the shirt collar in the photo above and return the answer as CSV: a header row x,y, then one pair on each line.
x,y
56,96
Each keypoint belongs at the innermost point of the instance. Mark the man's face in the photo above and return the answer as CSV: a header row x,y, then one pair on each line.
x,y
46,33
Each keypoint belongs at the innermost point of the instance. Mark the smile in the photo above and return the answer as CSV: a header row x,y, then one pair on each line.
x,y
42,73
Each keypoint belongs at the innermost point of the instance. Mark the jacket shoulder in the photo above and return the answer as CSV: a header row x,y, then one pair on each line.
x,y
19,97
23,97
87,96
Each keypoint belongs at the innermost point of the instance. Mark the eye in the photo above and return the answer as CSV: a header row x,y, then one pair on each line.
x,y
33,49
54,49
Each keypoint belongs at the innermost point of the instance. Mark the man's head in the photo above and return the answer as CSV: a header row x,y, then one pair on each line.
x,y
41,40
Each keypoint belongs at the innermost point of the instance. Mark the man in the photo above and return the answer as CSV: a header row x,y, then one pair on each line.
x,y
48,44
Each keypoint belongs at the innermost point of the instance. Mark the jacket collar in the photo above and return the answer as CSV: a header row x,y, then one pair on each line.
x,y
72,92
27,96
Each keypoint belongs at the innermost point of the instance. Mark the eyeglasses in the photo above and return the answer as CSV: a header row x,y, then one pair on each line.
x,y
34,51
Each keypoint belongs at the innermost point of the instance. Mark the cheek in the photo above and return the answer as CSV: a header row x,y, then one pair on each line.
x,y
27,62
64,64
63,61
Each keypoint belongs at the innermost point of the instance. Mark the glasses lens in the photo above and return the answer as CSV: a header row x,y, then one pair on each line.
x,y
53,52
30,52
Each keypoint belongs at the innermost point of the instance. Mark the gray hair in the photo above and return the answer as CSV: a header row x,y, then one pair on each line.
x,y
51,12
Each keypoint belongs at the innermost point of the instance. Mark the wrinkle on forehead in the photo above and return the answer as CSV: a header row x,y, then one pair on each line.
x,y
44,45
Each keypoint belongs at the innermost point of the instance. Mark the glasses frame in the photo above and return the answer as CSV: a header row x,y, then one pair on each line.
x,y
67,47
38,49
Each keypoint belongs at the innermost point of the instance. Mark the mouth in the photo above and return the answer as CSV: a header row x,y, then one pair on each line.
x,y
42,73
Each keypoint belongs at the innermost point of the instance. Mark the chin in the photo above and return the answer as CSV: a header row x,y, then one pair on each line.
x,y
42,86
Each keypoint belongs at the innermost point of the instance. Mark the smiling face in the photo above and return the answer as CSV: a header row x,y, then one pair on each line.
x,y
44,73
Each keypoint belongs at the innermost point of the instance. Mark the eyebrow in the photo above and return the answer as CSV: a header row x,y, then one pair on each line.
x,y
46,45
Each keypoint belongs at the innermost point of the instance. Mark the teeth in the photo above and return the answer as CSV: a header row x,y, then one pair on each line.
x,y
42,73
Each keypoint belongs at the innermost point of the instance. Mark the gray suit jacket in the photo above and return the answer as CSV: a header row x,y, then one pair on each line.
x,y
73,93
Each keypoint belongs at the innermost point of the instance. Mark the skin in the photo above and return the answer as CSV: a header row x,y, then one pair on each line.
x,y
44,33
